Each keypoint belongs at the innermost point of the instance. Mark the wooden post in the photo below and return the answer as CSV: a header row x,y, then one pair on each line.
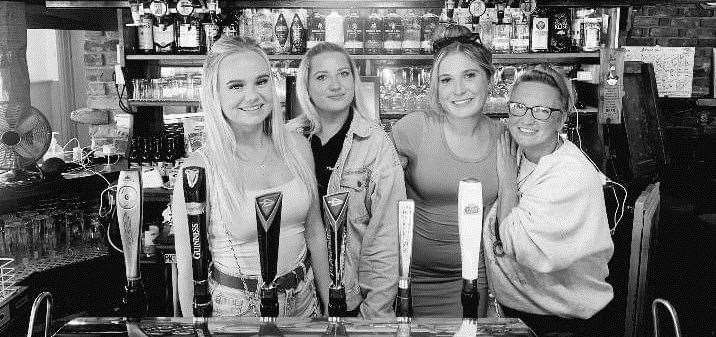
x,y
14,78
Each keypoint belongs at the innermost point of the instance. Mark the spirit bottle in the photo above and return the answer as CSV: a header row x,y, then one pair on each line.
x,y
212,30
263,25
354,32
502,32
374,34
393,28
520,41
411,34
429,21
163,29
539,39
281,31
231,25
298,35
592,31
560,40
189,34
145,38
334,28
316,24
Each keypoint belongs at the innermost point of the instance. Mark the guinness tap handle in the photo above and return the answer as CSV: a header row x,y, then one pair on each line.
x,y
335,210
470,225
194,180
268,226
129,218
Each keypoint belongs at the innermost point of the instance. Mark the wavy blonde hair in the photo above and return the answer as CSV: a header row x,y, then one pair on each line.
x,y
221,145
474,50
309,119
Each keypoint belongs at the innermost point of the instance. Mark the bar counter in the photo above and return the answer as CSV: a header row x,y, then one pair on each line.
x,y
234,326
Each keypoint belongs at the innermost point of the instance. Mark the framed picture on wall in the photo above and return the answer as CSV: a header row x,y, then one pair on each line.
x,y
370,85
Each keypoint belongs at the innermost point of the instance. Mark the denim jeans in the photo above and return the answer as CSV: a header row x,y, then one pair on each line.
x,y
300,301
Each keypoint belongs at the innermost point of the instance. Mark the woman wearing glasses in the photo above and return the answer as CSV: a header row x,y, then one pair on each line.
x,y
451,142
547,255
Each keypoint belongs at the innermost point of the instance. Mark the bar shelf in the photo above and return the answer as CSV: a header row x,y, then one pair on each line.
x,y
163,102
497,58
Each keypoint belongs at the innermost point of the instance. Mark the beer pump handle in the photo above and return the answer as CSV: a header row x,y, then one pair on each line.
x,y
404,304
268,226
194,183
335,210
129,218
470,211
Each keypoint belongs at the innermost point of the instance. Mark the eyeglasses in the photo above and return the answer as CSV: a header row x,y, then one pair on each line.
x,y
540,113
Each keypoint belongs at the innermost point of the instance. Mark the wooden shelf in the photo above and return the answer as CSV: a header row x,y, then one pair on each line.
x,y
496,58
149,102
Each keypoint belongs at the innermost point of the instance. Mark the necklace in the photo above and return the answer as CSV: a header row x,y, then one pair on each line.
x,y
263,151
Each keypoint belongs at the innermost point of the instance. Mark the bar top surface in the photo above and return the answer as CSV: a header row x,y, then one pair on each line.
x,y
116,326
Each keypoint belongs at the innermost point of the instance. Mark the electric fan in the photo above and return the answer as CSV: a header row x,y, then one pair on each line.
x,y
24,137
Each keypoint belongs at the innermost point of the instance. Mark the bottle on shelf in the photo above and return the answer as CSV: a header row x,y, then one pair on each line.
x,y
539,38
449,8
520,41
297,34
316,29
145,36
334,28
393,29
212,30
231,23
281,32
263,30
592,31
428,22
463,16
502,31
411,33
486,22
354,32
560,39
188,39
374,33
163,30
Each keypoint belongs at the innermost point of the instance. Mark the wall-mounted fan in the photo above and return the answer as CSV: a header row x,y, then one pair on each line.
x,y
24,137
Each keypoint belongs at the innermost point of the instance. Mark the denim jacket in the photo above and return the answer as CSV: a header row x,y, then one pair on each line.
x,y
369,169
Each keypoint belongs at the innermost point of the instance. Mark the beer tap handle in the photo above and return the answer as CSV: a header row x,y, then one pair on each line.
x,y
194,180
470,211
268,226
335,210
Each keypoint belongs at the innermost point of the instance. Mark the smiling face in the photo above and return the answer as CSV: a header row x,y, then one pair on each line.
x,y
528,132
463,85
330,83
245,89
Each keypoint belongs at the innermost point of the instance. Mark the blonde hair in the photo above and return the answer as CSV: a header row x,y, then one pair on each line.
x,y
462,42
221,142
309,119
545,74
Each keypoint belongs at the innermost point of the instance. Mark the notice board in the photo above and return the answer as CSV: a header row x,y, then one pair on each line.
x,y
673,67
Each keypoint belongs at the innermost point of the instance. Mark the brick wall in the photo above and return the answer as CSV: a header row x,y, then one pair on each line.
x,y
100,56
681,25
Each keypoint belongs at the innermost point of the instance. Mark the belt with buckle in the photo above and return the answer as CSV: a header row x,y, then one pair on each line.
x,y
284,282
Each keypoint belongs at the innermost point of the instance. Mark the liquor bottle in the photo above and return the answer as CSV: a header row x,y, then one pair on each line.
x,y
487,22
539,38
520,41
429,21
212,31
231,24
393,29
334,28
374,34
246,23
450,10
281,31
560,40
316,30
297,34
592,31
163,29
354,32
411,34
263,25
145,38
189,35
502,32
462,14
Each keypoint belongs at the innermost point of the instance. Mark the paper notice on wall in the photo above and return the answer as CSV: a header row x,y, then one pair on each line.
x,y
673,67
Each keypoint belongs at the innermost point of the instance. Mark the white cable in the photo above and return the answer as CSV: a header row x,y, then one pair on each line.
x,y
616,222
109,239
69,141
621,214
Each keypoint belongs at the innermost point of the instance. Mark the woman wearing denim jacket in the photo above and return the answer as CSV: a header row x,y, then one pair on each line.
x,y
352,153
